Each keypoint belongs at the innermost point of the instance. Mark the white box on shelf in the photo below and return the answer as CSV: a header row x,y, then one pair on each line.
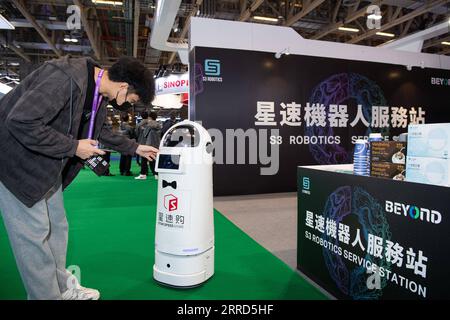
x,y
429,140
428,170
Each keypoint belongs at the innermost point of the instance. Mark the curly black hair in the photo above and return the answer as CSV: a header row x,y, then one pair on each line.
x,y
133,72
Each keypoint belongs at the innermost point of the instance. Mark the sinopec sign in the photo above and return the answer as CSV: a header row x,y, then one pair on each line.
x,y
173,84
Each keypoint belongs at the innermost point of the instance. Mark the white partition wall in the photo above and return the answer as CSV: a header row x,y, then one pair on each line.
x,y
259,37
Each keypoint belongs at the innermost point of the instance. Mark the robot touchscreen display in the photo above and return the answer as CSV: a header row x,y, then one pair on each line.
x,y
169,161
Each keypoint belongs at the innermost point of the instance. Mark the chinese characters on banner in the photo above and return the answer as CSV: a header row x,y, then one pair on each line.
x,y
375,246
337,117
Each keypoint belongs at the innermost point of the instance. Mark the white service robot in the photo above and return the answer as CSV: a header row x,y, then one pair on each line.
x,y
184,237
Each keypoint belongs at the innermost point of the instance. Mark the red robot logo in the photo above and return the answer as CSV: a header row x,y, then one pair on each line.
x,y
170,202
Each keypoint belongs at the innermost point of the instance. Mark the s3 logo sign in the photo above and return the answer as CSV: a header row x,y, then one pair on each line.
x,y
212,67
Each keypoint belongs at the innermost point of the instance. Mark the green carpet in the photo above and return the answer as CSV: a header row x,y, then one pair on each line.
x,y
111,239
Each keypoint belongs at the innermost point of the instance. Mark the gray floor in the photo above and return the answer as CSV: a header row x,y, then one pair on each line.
x,y
270,219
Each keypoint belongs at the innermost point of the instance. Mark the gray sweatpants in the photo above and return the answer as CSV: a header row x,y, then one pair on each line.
x,y
38,237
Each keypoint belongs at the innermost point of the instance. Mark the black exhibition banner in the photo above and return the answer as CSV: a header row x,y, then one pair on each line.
x,y
371,238
269,115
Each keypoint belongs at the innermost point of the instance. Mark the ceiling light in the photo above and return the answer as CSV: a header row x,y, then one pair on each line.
x,y
348,29
11,79
69,38
110,2
374,16
265,19
386,34
5,24
445,43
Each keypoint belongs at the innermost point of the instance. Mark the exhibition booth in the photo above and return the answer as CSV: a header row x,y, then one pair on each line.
x,y
286,113
357,136
372,238
171,93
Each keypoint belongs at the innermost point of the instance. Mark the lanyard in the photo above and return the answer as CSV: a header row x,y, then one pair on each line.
x,y
95,104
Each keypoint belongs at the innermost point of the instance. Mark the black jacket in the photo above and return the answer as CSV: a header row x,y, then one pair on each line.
x,y
39,122
152,134
126,130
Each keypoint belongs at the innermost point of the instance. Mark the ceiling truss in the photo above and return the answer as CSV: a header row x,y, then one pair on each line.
x,y
112,31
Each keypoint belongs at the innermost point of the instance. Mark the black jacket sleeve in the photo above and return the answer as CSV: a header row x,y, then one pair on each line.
x,y
117,142
28,121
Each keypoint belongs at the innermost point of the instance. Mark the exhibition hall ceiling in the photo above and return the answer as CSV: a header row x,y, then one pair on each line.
x,y
113,28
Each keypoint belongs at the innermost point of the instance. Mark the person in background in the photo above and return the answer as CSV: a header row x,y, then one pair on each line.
x,y
150,135
139,134
168,123
139,131
127,131
107,156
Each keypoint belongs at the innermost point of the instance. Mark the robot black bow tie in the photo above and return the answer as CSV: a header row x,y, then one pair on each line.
x,y
172,184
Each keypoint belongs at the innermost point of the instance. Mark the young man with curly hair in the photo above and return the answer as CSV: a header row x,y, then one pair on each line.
x,y
49,124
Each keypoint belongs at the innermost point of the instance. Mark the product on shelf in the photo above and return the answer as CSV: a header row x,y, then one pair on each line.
x,y
388,151
428,170
388,170
360,158
429,140
373,137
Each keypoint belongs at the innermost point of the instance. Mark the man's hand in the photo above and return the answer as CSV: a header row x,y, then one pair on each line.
x,y
87,148
147,152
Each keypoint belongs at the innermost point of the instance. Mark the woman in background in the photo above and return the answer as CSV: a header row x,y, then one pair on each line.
x,y
126,130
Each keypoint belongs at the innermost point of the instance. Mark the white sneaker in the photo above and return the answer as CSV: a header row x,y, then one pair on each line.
x,y
156,177
141,177
81,293
77,292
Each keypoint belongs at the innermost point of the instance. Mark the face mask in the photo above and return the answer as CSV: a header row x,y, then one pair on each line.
x,y
124,106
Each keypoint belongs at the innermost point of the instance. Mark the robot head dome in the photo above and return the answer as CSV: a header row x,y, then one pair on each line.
x,y
182,136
